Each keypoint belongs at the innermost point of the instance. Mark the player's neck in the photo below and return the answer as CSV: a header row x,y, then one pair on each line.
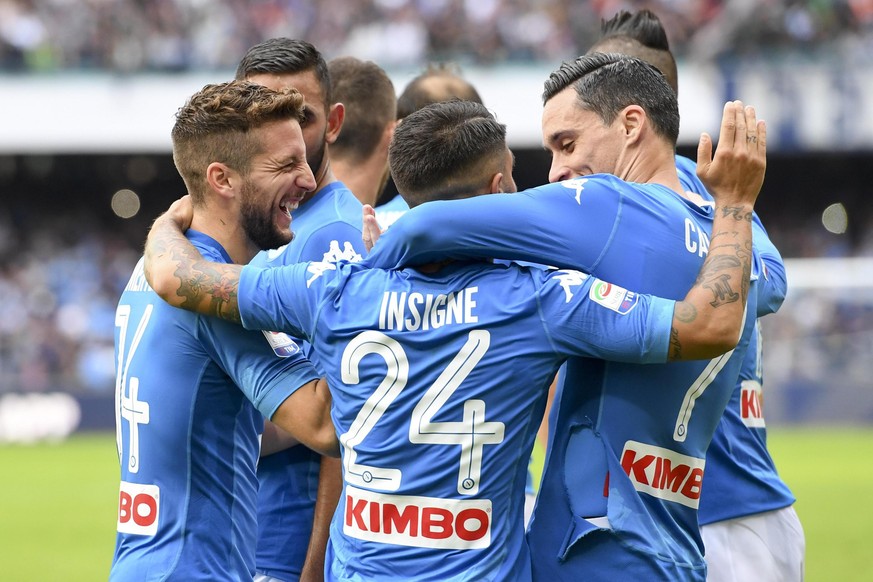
x,y
653,166
228,232
364,179
324,177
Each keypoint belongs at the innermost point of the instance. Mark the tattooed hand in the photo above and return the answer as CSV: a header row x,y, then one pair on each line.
x,y
710,317
735,175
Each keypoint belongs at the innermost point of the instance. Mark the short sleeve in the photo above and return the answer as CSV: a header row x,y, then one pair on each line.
x,y
587,317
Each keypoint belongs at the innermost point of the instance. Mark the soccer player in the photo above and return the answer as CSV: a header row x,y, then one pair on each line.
x,y
437,83
621,484
360,153
327,227
441,372
192,392
749,527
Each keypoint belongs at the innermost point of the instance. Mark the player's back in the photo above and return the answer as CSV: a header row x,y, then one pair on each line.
x,y
188,444
627,450
436,457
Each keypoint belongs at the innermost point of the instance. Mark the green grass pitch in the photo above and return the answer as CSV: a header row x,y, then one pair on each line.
x,y
57,509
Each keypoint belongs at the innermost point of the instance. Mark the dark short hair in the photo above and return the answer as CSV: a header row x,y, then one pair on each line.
x,y
446,150
368,95
642,35
215,125
606,83
283,56
439,82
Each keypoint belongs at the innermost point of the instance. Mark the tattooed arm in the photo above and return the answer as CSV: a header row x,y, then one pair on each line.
x,y
709,320
180,275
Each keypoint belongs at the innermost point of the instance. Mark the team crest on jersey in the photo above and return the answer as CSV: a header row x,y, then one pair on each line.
x,y
613,297
569,280
577,184
347,253
282,344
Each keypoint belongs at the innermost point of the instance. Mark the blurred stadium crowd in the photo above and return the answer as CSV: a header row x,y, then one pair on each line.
x,y
59,288
180,35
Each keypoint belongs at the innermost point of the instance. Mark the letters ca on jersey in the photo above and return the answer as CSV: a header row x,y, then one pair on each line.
x,y
421,522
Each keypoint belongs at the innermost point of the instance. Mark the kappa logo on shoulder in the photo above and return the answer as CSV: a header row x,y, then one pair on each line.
x,y
569,280
577,184
282,344
347,253
317,270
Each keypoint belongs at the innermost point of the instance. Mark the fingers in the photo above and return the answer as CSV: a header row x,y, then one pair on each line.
x,y
704,154
740,135
370,232
728,132
181,212
762,137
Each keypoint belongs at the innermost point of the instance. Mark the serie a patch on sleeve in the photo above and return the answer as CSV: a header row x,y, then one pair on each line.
x,y
613,297
282,344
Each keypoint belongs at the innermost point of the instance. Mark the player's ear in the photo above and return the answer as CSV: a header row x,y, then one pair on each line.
x,y
388,135
223,180
632,118
496,185
335,118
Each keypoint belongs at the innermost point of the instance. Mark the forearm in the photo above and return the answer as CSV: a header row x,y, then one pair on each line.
x,y
709,320
183,278
305,415
501,226
276,439
330,485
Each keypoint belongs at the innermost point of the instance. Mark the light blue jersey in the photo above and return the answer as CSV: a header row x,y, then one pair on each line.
x,y
389,212
741,477
326,228
188,433
439,384
623,474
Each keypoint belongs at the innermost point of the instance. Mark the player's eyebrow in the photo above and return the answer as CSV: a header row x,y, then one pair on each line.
x,y
293,157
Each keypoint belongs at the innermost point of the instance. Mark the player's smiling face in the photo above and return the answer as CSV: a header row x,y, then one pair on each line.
x,y
276,183
579,141
315,124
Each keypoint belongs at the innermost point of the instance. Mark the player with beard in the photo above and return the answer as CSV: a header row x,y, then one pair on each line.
x,y
327,227
439,373
192,392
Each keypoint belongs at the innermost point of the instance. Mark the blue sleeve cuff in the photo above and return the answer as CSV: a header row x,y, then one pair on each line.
x,y
660,325
284,386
